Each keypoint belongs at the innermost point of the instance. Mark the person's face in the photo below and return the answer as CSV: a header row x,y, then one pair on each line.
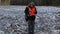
x,y
31,5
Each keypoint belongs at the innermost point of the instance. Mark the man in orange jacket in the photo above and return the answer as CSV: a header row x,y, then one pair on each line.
x,y
30,13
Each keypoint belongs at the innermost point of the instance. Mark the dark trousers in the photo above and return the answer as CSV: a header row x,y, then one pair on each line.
x,y
31,24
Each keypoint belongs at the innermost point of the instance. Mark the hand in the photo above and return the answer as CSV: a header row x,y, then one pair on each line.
x,y
28,15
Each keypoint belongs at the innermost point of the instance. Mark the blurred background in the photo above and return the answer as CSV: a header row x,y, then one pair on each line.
x,y
12,19
25,2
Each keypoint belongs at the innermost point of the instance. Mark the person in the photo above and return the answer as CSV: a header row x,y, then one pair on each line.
x,y
30,14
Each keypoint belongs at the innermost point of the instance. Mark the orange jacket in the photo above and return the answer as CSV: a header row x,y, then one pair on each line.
x,y
32,11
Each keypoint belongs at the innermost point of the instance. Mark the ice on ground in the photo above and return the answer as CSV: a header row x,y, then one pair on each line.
x,y
12,19
1,32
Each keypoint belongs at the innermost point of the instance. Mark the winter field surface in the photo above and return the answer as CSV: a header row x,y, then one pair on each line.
x,y
12,20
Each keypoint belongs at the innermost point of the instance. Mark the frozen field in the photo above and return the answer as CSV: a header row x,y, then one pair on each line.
x,y
12,20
